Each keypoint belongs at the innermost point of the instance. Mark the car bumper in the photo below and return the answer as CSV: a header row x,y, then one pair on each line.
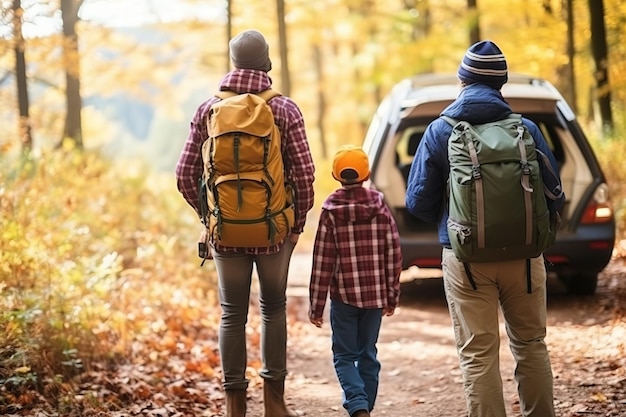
x,y
587,251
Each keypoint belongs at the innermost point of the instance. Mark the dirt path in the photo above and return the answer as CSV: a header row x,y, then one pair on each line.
x,y
420,374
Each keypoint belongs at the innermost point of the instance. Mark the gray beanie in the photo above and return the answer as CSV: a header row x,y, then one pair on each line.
x,y
249,50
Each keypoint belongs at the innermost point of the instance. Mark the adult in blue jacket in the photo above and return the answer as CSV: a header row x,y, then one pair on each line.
x,y
474,311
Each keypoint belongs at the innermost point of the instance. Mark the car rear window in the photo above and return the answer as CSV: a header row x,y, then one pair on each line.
x,y
411,131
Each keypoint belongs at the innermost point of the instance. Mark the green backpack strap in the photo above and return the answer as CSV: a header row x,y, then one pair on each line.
x,y
450,120
478,182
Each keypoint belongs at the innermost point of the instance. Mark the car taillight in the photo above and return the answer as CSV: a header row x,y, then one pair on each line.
x,y
599,209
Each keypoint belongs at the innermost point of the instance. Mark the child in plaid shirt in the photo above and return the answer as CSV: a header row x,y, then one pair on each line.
x,y
357,259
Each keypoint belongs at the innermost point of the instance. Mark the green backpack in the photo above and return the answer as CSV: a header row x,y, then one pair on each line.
x,y
244,199
497,207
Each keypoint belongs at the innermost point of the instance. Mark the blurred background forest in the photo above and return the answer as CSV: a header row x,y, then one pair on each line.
x,y
95,102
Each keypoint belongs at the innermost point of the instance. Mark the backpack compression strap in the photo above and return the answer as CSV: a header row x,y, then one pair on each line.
x,y
267,95
478,178
525,180
464,128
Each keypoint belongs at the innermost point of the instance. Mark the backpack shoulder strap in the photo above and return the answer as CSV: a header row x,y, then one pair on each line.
x,y
268,94
452,122
225,94
514,116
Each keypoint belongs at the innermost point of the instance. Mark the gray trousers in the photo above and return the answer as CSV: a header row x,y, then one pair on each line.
x,y
234,273
474,314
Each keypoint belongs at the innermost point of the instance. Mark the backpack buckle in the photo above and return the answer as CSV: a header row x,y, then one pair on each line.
x,y
476,172
525,167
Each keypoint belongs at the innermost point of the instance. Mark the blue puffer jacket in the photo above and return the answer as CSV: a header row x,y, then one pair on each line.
x,y
476,104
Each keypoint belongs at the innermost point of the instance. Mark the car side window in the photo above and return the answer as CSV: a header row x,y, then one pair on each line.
x,y
406,147
549,129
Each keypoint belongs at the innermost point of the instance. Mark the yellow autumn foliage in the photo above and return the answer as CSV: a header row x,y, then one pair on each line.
x,y
93,257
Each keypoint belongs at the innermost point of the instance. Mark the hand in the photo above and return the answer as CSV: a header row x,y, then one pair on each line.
x,y
317,322
293,237
204,235
204,250
388,311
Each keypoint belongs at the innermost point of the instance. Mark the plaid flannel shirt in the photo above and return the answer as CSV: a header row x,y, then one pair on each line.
x,y
299,168
357,253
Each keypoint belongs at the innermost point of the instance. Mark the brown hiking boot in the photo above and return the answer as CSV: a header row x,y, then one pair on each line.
x,y
274,399
236,403
361,413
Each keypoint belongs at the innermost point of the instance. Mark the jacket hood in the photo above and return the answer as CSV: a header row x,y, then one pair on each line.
x,y
354,204
478,104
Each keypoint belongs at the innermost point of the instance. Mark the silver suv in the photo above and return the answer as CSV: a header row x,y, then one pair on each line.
x,y
586,239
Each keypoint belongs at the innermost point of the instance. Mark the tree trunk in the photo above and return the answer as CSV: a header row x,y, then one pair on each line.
x,y
229,31
24,127
285,79
422,26
474,28
73,122
321,98
571,54
566,80
600,53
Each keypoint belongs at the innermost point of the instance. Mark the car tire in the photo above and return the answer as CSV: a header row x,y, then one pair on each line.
x,y
581,284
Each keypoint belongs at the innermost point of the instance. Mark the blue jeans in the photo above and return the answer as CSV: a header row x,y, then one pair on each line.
x,y
354,337
234,273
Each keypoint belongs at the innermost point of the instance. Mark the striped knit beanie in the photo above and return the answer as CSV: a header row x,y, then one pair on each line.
x,y
484,63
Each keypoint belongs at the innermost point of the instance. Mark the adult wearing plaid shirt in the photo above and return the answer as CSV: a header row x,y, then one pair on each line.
x,y
249,52
357,258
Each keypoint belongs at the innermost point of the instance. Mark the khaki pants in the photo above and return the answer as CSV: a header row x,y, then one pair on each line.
x,y
474,314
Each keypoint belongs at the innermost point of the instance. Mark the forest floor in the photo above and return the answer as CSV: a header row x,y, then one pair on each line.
x,y
420,374
175,373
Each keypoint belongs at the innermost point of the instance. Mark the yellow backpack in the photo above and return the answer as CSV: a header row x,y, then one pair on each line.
x,y
243,191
